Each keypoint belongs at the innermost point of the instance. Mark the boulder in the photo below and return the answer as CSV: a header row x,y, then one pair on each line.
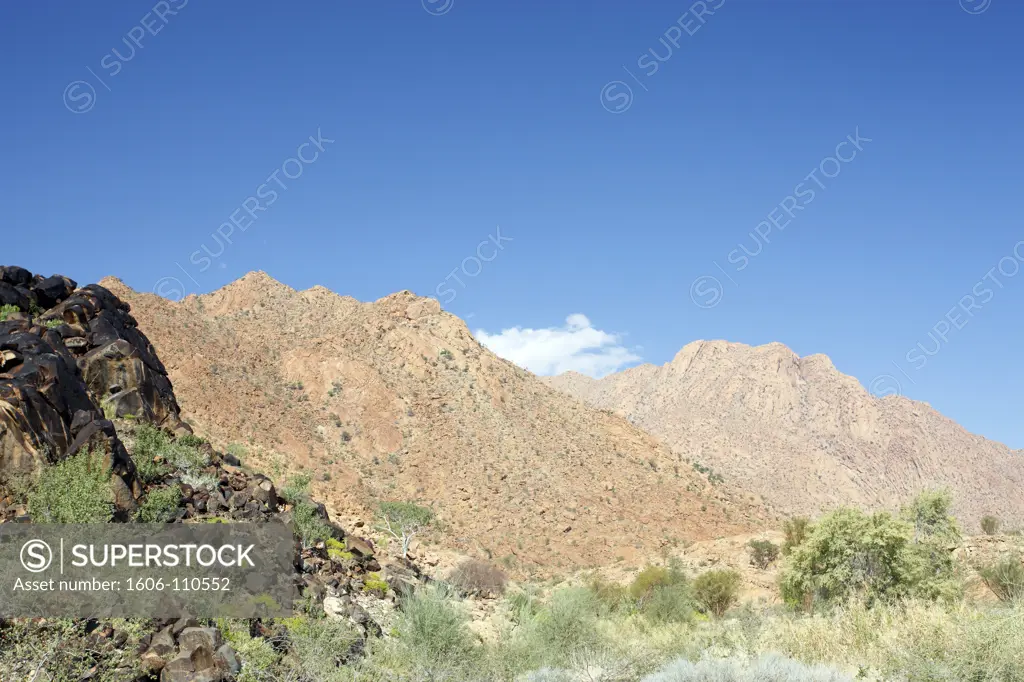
x,y
12,274
52,290
192,638
9,295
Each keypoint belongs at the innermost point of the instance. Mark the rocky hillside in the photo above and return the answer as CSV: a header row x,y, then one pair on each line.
x,y
395,400
68,357
805,436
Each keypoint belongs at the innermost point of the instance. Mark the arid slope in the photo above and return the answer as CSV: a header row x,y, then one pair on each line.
x,y
805,436
396,400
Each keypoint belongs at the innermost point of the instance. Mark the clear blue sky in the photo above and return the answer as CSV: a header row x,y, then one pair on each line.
x,y
495,113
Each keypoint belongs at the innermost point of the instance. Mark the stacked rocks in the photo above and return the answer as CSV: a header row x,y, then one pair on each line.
x,y
66,356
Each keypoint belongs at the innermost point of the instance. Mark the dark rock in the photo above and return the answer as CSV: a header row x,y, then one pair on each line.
x,y
359,546
82,419
181,624
162,643
12,274
239,499
228,659
52,290
9,295
265,493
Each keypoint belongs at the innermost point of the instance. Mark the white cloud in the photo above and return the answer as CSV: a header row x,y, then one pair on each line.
x,y
577,346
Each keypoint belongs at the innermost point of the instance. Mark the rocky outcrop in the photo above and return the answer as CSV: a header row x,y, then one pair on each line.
x,y
67,358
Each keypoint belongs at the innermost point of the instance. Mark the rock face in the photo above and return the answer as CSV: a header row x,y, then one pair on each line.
x,y
66,356
396,400
805,436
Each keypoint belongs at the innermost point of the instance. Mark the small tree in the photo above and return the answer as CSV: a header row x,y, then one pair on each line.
x,y
403,521
716,591
763,553
989,524
796,530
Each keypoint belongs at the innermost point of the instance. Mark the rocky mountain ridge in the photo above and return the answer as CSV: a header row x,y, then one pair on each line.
x,y
395,400
803,435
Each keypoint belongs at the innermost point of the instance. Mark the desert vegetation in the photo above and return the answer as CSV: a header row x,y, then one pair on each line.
x,y
866,596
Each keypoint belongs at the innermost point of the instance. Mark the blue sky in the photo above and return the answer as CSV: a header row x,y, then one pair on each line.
x,y
628,152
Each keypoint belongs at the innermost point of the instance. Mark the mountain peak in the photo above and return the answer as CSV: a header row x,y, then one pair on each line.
x,y
803,434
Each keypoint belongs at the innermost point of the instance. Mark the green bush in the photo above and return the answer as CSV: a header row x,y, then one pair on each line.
x,y
929,514
62,650
663,594
715,591
310,527
935,535
191,440
433,631
317,647
796,530
989,525
763,553
374,584
152,443
568,624
846,552
877,556
612,596
1005,578
296,489
8,310
75,490
160,505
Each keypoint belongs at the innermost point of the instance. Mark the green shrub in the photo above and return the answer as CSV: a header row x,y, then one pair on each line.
x,y
152,443
611,595
54,323
374,584
796,531
310,527
160,505
763,553
8,310
1005,578
186,458
432,630
670,604
75,490
935,535
190,440
715,591
297,488
479,577
337,551
989,525
317,647
662,593
877,556
568,624
929,514
61,650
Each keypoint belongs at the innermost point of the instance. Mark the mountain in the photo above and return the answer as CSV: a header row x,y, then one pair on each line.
x,y
805,436
395,400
